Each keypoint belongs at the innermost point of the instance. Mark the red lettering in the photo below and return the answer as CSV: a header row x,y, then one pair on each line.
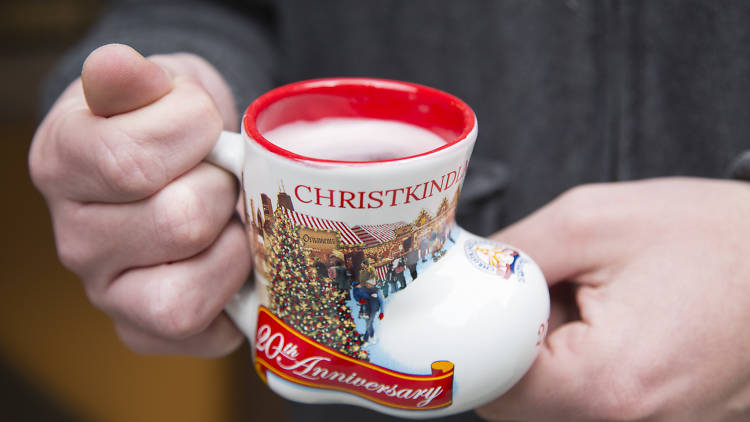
x,y
377,199
319,197
434,185
393,201
345,200
320,367
410,194
542,332
462,171
373,198
448,181
296,193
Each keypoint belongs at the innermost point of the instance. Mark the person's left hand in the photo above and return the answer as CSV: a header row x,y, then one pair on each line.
x,y
662,275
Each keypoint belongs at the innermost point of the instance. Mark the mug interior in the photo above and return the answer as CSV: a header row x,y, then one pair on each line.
x,y
436,111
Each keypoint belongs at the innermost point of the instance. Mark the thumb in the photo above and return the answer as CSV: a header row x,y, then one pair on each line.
x,y
568,237
117,79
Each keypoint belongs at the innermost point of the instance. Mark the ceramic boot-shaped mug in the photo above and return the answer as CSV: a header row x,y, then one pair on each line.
x,y
365,290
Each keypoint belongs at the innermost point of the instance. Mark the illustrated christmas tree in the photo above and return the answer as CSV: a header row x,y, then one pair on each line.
x,y
311,305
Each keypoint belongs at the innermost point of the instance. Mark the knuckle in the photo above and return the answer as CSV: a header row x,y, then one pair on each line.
x,y
182,219
96,294
72,258
40,174
201,108
173,317
578,210
44,154
78,239
202,104
72,251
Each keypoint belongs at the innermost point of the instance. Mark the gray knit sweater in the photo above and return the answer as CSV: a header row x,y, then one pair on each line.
x,y
566,92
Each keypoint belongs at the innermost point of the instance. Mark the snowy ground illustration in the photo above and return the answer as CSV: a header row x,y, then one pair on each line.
x,y
391,333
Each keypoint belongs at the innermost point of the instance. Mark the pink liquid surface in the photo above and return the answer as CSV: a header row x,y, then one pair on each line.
x,y
354,139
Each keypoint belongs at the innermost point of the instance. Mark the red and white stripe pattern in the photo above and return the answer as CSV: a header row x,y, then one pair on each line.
x,y
348,237
382,271
381,233
367,239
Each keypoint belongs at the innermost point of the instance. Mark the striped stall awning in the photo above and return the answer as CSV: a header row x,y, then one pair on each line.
x,y
348,237
367,239
382,271
381,233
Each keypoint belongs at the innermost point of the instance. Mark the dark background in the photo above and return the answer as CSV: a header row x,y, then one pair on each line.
x,y
60,359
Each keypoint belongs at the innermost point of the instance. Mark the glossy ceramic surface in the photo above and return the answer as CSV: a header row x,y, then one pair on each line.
x,y
366,292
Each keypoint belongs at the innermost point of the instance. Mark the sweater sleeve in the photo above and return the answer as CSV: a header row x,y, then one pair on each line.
x,y
741,166
235,37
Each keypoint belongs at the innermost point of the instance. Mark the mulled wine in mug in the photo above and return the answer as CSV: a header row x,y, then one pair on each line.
x,y
365,290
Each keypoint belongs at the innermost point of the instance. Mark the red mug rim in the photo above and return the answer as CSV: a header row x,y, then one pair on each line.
x,y
437,111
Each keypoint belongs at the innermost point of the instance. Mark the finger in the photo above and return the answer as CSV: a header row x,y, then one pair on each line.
x,y
579,237
554,387
587,370
98,241
117,79
219,339
179,300
571,236
129,156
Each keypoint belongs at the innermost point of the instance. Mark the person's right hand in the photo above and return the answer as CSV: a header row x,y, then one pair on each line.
x,y
149,228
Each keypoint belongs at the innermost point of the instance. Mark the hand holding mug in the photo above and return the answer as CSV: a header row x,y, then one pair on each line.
x,y
151,231
661,289
138,216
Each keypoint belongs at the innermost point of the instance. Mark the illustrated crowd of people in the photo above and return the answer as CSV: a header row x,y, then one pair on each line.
x,y
357,278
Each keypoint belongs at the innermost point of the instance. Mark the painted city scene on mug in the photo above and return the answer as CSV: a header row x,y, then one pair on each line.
x,y
333,282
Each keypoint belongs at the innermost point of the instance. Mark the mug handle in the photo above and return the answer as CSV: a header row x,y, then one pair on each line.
x,y
229,154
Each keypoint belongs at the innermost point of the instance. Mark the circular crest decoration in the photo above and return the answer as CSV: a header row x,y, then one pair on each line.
x,y
494,258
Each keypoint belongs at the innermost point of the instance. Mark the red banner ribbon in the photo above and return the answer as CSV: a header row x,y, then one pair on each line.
x,y
285,352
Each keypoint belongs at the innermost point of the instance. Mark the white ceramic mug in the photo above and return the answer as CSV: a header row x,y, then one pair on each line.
x,y
464,316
